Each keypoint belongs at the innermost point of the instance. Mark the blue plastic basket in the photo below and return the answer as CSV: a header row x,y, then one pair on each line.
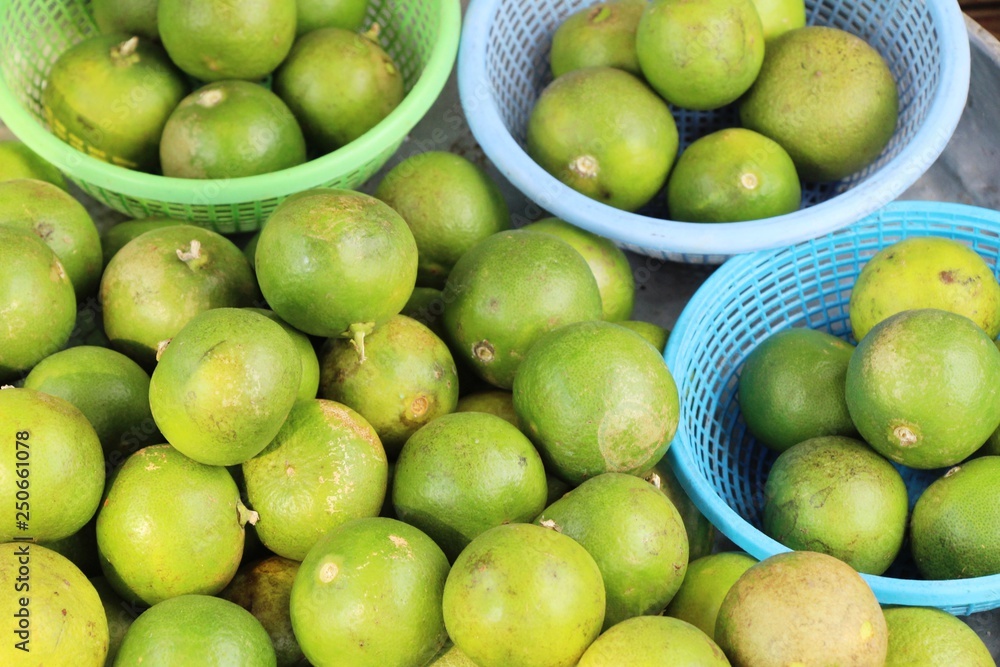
x,y
808,285
503,66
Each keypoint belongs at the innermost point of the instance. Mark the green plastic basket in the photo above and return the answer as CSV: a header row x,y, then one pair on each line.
x,y
421,35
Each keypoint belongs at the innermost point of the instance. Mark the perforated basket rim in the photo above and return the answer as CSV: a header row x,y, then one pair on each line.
x,y
671,236
209,192
959,596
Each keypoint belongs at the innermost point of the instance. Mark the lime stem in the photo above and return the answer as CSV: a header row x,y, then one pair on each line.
x,y
373,32
192,255
245,515
357,332
161,347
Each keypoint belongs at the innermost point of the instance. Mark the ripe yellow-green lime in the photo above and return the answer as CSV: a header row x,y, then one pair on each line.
x,y
925,272
607,262
827,97
213,40
801,607
325,467
130,17
33,328
835,495
524,596
507,292
700,54
120,615
62,223
465,473
369,595
730,176
953,529
779,16
595,397
927,637
923,388
496,402
792,388
450,205
706,583
654,641
601,35
451,656
170,526
656,335
196,630
52,612
19,161
117,236
230,129
604,133
634,534
52,466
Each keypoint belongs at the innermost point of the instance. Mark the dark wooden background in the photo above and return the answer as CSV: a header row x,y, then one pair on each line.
x,y
985,12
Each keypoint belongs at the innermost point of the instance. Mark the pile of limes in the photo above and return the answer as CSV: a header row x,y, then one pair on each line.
x,y
125,96
815,104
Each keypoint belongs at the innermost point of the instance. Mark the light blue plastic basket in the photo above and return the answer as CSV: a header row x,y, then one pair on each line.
x,y
503,66
750,297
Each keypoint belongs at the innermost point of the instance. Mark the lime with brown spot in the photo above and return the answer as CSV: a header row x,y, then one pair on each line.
x,y
507,292
923,388
52,612
18,161
706,583
927,637
601,35
607,262
369,595
264,589
50,449
925,272
465,473
654,641
325,467
32,328
408,379
524,596
160,280
170,526
595,398
196,630
635,535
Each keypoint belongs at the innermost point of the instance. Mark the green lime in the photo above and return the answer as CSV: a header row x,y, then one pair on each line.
x,y
495,402
507,292
307,353
925,272
451,656
604,133
18,161
706,583
601,35
369,595
801,608
953,529
80,548
196,630
407,379
654,641
700,54
700,531
111,390
264,589
524,596
224,385
635,536
33,328
169,526
779,16
926,637
836,496
316,14
606,261
596,397
426,305
130,17
117,236
110,96
325,467
52,466
654,334
792,388
450,205
53,615
221,39
827,97
465,473
730,176
923,388
230,129
339,84
120,615
160,280
336,263
62,222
